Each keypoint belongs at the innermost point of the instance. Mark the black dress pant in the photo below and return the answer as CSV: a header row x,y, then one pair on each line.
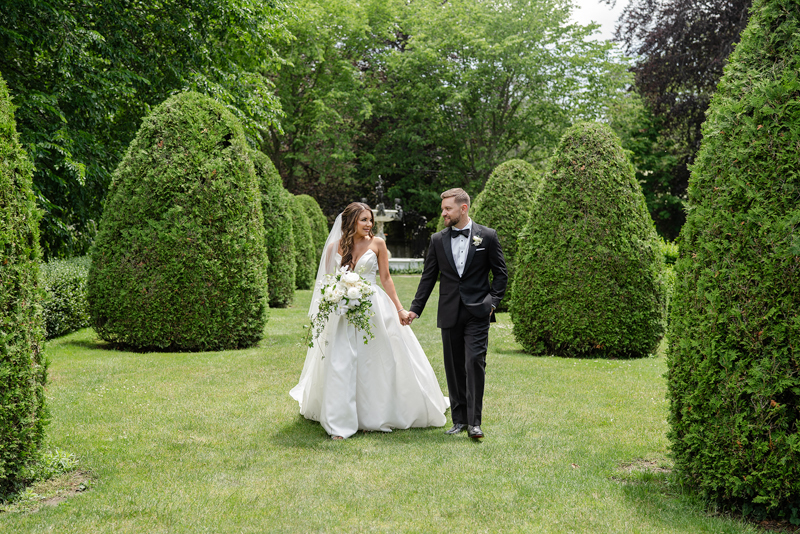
x,y
465,346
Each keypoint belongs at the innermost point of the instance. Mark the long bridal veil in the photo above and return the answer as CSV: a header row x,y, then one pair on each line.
x,y
327,264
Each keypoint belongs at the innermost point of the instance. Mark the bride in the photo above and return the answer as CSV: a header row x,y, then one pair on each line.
x,y
387,383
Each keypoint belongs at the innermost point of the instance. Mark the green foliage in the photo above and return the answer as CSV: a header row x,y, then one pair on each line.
x,y
463,86
590,272
734,354
65,306
86,72
505,205
278,233
180,261
304,252
670,250
23,367
319,223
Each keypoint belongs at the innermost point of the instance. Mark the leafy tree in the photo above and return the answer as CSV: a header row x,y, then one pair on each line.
x,y
180,261
505,205
733,368
86,72
683,46
23,367
463,86
321,90
589,275
278,233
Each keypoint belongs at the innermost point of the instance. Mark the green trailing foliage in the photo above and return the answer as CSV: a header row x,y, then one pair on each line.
x,y
734,354
319,223
23,367
505,204
65,306
180,262
278,233
305,256
590,277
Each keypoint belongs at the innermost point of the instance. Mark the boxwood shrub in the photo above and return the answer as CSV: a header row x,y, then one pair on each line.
x,y
179,262
23,367
589,277
278,233
319,223
734,342
65,306
505,204
305,255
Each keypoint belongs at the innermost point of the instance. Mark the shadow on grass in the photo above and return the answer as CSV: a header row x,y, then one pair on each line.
x,y
90,344
667,504
303,433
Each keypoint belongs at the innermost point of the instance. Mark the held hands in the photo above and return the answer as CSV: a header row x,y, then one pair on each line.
x,y
403,317
410,316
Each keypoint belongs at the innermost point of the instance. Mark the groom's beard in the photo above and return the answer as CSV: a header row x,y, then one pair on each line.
x,y
452,221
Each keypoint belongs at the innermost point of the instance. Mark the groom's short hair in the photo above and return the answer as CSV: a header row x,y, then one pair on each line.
x,y
461,196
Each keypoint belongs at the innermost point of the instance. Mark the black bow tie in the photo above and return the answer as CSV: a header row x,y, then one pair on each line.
x,y
456,232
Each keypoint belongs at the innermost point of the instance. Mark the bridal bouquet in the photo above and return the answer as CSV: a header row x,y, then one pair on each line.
x,y
344,293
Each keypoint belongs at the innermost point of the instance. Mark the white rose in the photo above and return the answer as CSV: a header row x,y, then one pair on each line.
x,y
351,278
354,293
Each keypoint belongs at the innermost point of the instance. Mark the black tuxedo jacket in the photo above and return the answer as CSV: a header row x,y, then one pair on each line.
x,y
473,288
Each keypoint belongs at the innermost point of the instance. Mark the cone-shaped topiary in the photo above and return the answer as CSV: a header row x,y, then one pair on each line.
x,y
734,355
179,262
319,223
590,272
23,368
279,236
505,204
305,256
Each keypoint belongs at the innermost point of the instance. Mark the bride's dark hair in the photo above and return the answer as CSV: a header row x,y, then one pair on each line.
x,y
350,216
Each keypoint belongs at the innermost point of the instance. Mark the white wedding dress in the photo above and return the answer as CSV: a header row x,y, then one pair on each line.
x,y
387,383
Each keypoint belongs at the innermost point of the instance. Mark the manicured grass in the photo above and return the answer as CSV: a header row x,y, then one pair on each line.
x,y
212,442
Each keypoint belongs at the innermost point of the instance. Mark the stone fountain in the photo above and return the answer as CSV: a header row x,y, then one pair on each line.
x,y
384,215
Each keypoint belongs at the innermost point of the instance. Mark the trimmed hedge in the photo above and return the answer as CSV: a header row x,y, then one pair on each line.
x,y
278,233
65,306
590,277
505,204
319,223
305,256
179,262
734,355
23,367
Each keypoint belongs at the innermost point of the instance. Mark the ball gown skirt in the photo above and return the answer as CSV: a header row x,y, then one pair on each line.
x,y
387,383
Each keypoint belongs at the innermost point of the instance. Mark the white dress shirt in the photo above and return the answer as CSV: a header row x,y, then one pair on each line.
x,y
460,246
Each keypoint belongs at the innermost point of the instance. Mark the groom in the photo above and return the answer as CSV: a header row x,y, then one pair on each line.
x,y
463,254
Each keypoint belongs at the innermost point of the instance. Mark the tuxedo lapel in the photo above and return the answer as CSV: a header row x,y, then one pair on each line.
x,y
448,249
476,232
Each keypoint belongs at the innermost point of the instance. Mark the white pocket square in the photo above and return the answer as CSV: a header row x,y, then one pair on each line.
x,y
479,249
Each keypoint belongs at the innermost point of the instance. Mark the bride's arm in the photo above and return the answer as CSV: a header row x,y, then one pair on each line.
x,y
386,278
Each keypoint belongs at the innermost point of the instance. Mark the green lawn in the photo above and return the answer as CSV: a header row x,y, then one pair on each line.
x,y
212,442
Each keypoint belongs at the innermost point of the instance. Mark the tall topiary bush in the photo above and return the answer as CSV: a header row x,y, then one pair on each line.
x,y
179,262
505,204
305,255
278,233
23,368
590,271
65,306
319,223
734,354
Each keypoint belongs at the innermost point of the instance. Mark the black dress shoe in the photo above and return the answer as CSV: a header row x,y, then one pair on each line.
x,y
475,432
457,427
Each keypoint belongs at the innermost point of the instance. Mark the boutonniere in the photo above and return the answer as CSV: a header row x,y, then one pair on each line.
x,y
477,240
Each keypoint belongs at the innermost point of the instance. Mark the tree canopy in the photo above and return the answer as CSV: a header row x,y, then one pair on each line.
x,y
85,72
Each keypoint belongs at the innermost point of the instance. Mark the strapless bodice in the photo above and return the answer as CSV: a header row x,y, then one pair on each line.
x,y
367,265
